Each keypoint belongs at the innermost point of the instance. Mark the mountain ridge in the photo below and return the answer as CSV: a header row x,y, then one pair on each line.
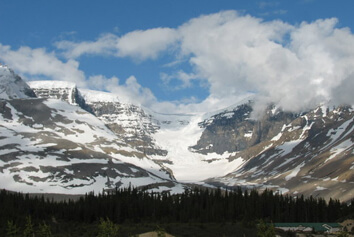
x,y
293,153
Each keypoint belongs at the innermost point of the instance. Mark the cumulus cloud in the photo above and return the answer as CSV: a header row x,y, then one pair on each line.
x,y
39,62
232,52
142,45
106,44
129,91
296,67
185,79
139,45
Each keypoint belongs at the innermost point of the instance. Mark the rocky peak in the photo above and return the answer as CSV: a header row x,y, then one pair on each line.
x,y
233,130
12,86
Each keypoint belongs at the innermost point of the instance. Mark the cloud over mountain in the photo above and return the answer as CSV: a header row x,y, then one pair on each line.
x,y
294,66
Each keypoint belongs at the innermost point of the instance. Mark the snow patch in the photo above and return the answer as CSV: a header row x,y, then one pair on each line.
x,y
295,171
347,144
248,134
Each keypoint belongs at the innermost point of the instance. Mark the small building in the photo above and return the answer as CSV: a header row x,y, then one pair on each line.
x,y
309,227
155,234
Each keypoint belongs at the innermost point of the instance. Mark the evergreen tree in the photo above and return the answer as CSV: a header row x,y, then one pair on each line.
x,y
12,230
265,230
107,228
29,230
44,230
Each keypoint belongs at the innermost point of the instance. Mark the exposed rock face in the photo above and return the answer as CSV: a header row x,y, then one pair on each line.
x,y
234,131
131,123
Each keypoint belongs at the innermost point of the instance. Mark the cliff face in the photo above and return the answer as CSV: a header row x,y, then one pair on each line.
x,y
65,91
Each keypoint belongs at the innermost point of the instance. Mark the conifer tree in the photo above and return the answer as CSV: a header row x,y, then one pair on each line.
x,y
107,228
44,230
12,230
265,230
29,230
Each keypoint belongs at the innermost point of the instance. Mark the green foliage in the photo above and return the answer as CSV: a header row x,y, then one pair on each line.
x,y
29,230
12,230
343,234
265,230
44,230
107,228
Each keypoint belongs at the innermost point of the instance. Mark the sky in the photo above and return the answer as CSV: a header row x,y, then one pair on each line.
x,y
187,56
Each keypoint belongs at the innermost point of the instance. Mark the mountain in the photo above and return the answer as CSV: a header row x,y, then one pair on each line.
x,y
128,121
48,145
70,140
309,153
12,86
66,91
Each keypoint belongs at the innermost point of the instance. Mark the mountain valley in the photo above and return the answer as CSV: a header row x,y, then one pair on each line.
x,y
57,138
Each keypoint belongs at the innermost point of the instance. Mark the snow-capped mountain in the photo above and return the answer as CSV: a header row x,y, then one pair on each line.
x,y
309,153
49,145
71,140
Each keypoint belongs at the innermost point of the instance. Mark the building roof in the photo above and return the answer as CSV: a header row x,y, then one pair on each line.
x,y
316,226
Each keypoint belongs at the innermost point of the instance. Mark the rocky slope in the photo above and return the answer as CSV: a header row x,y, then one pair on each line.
x,y
128,121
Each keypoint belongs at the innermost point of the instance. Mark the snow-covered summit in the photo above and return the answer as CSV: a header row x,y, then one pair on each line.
x,y
51,84
93,96
12,86
62,90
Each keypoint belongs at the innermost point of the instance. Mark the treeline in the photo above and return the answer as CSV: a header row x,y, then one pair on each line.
x,y
131,205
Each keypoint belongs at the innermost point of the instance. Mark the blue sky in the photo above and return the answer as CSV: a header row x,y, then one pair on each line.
x,y
152,52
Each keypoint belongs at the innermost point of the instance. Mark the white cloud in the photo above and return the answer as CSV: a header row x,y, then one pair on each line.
x,y
102,83
130,91
183,77
106,44
39,62
296,67
133,90
139,45
231,51
142,45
